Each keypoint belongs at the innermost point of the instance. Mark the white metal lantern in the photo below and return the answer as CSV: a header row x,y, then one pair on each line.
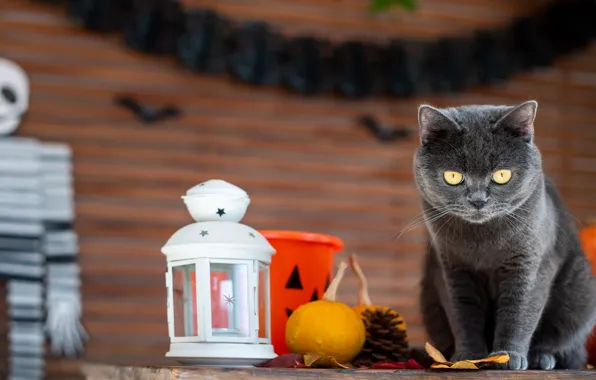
x,y
218,282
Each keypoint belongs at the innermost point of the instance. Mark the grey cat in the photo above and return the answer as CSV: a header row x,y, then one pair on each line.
x,y
505,271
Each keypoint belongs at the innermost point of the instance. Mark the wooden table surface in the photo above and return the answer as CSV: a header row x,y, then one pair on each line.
x,y
101,372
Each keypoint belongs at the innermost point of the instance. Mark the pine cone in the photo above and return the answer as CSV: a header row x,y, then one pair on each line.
x,y
386,337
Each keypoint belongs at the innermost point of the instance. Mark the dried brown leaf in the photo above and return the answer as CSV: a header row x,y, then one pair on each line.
x,y
317,361
285,361
435,354
464,364
442,363
439,366
501,359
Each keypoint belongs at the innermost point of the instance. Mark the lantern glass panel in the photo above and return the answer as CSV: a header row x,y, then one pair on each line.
x,y
229,300
263,301
184,297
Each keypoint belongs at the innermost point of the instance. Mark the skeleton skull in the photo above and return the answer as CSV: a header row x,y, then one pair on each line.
x,y
14,96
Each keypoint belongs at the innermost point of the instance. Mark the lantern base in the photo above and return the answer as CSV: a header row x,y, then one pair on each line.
x,y
221,354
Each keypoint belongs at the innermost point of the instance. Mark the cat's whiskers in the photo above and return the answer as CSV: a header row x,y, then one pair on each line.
x,y
518,229
563,210
434,236
515,226
558,227
423,218
509,222
530,227
516,222
420,223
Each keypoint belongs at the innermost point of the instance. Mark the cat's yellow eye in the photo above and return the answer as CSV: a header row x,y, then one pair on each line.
x,y
502,176
453,178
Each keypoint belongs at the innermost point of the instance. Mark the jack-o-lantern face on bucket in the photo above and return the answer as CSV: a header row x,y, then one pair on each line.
x,y
300,273
312,282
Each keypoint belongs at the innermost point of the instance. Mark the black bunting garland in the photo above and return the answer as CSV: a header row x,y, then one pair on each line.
x,y
255,53
206,42
155,26
255,57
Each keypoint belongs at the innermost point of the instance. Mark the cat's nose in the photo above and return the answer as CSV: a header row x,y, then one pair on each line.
x,y
478,203
478,199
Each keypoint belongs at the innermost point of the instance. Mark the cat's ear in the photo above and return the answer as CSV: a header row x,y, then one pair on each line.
x,y
433,123
520,120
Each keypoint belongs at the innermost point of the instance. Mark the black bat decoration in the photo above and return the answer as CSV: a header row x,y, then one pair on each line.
x,y
383,133
146,113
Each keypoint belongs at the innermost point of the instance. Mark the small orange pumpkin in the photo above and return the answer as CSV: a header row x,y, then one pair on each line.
x,y
588,239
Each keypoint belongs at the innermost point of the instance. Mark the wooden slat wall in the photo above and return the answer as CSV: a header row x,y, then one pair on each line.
x,y
303,161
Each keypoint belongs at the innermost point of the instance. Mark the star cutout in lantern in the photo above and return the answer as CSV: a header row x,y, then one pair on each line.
x,y
252,235
229,300
221,212
204,233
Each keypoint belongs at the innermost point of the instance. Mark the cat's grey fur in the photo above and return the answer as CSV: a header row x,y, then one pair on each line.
x,y
511,276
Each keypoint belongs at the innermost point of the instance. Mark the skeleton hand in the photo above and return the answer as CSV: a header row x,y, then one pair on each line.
x,y
63,325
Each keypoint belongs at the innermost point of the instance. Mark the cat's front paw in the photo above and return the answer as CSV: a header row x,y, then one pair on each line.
x,y
541,360
467,355
517,361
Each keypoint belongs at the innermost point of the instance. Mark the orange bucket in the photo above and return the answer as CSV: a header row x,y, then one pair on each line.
x,y
587,236
300,273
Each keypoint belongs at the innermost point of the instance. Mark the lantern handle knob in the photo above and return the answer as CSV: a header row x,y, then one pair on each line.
x,y
216,200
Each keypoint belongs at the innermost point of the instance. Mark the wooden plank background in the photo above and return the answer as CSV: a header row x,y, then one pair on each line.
x,y
304,162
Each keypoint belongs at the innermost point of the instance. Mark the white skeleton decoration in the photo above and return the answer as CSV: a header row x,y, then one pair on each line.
x,y
38,247
14,96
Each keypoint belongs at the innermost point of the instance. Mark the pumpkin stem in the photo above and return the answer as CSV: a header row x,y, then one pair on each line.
x,y
331,293
363,296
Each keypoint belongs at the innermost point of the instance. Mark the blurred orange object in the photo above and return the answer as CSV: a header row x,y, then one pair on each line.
x,y
300,273
588,239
